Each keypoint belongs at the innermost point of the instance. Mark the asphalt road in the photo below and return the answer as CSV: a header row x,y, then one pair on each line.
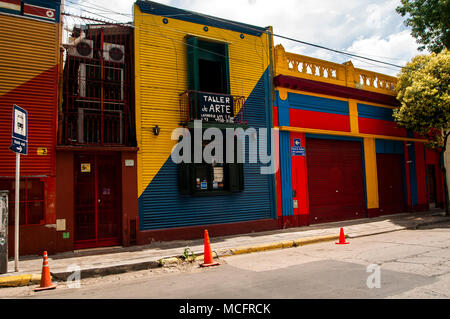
x,y
412,264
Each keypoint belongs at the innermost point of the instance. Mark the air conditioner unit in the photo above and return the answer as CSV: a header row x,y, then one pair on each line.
x,y
89,78
114,52
83,49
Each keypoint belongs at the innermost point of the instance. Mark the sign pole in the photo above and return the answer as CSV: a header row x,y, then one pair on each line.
x,y
17,206
19,145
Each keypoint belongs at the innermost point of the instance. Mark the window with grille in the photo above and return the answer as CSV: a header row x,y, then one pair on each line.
x,y
212,178
31,200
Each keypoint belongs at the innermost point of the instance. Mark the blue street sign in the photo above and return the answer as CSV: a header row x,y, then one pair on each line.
x,y
19,133
19,146
298,151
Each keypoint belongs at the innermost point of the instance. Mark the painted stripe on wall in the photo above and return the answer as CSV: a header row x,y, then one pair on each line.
x,y
375,112
319,120
421,173
413,172
286,173
371,176
318,104
283,110
379,127
389,147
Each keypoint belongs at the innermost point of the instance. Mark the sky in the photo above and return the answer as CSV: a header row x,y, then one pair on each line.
x,y
371,28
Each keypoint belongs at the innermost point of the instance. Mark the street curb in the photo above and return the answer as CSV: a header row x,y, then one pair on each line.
x,y
20,280
24,280
283,244
111,270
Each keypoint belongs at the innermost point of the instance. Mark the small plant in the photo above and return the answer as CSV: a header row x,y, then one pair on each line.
x,y
188,254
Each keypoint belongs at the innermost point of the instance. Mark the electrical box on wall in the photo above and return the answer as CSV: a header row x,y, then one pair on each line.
x,y
3,232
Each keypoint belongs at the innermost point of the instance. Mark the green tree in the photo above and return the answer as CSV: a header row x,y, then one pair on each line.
x,y
423,91
430,22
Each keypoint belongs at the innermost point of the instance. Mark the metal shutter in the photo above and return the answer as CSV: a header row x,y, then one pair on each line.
x,y
390,183
335,180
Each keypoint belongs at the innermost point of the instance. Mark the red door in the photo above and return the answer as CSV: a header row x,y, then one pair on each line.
x,y
335,180
97,200
431,179
390,183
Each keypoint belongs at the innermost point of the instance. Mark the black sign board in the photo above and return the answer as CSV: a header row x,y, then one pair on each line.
x,y
215,107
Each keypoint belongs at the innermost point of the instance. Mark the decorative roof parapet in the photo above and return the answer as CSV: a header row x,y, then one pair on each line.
x,y
345,74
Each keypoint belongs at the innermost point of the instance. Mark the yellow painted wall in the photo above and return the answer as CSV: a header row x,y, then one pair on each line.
x,y
370,160
161,75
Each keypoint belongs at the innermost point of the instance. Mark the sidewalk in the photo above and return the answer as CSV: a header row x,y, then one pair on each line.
x,y
106,261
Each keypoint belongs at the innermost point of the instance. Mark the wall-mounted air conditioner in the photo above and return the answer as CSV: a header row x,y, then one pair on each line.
x,y
113,52
89,79
82,49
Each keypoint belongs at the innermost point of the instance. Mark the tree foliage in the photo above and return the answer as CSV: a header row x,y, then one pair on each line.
x,y
430,22
423,91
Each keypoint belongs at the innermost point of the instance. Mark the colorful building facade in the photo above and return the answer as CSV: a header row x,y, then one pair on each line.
x,y
96,151
341,154
109,109
29,65
182,57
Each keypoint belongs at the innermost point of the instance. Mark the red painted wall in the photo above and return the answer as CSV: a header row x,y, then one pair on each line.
x,y
319,120
275,116
379,127
38,97
433,157
300,180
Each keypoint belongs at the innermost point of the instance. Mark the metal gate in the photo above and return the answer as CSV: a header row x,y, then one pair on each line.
x,y
98,194
335,180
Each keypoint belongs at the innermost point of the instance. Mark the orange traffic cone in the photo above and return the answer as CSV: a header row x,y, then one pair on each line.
x,y
207,256
46,280
342,238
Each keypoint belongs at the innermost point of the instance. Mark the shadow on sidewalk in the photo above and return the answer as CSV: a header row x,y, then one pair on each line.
x,y
414,220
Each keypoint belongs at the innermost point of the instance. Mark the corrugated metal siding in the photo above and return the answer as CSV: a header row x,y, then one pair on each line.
x,y
28,78
335,180
161,75
161,205
161,71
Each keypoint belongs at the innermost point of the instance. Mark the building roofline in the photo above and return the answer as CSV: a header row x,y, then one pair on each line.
x,y
199,18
